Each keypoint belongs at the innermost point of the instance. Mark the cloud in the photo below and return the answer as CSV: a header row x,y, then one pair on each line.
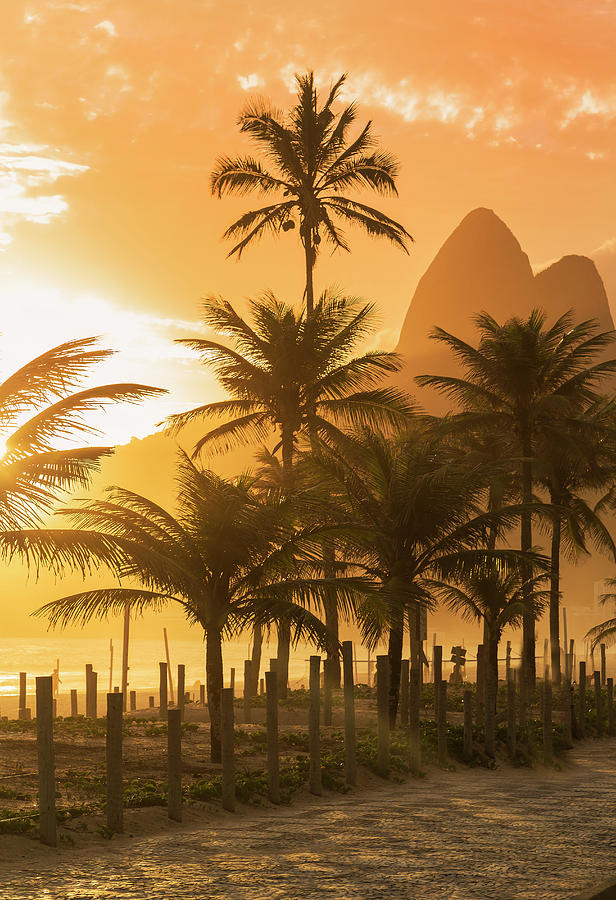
x,y
250,82
108,27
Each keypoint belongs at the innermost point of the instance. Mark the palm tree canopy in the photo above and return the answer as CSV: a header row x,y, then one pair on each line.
x,y
288,372
228,558
310,162
39,408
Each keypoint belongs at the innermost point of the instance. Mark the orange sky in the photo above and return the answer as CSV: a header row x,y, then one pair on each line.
x,y
113,111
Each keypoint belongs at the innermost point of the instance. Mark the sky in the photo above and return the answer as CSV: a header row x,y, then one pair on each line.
x,y
112,113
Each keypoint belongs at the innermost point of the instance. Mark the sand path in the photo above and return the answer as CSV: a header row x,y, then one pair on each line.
x,y
465,835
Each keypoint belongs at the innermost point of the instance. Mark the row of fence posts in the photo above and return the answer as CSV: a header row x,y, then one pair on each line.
x,y
409,706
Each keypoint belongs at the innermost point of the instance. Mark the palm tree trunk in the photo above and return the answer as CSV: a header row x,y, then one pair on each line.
x,y
555,592
526,545
331,623
213,676
255,661
284,628
396,638
309,256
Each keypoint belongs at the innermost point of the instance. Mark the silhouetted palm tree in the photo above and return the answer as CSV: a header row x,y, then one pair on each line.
x,y
311,164
521,375
39,409
497,598
418,518
228,559
290,374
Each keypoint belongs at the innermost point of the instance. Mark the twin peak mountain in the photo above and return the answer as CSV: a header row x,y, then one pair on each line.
x,y
482,268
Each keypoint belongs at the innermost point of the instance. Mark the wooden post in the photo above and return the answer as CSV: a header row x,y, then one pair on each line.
x,y
23,702
547,721
571,660
565,693
46,770
262,686
610,707
202,694
162,690
369,669
523,703
565,645
350,747
73,702
114,762
89,713
511,724
508,662
314,721
442,722
168,669
404,693
382,703
247,683
151,702
181,689
110,664
598,702
414,717
603,666
232,681
227,750
437,675
94,694
355,664
133,701
468,722
327,694
174,764
271,717
479,693
582,699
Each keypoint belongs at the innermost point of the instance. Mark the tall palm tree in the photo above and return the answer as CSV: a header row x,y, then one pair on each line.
x,y
498,599
290,375
417,515
575,460
311,164
40,409
228,559
521,375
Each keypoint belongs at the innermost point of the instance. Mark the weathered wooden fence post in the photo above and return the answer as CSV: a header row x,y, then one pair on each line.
x,y
247,691
442,723
610,707
511,724
73,702
115,812
437,674
603,666
598,702
414,718
382,705
181,690
404,693
22,696
227,750
547,721
582,699
91,692
202,694
151,703
565,693
314,724
162,691
174,764
261,686
468,722
232,682
271,714
327,693
480,687
523,703
508,663
350,748
133,701
46,770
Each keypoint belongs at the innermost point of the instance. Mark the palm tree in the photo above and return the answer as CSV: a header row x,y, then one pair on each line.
x,y
575,459
311,164
416,511
39,409
228,559
604,632
521,376
498,599
290,375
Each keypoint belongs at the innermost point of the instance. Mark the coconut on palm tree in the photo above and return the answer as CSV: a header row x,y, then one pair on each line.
x,y
522,375
310,164
41,415
288,375
228,558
